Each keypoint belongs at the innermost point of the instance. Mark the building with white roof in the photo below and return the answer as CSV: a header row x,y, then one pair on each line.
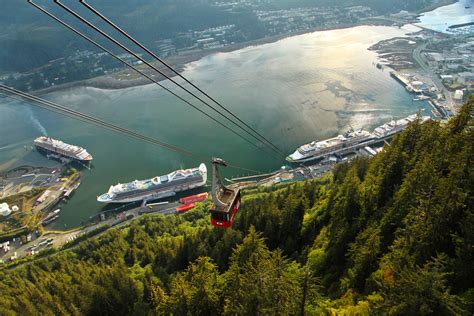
x,y
458,95
5,209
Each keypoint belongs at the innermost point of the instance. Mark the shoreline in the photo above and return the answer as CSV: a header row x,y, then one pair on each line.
x,y
128,78
441,3
180,62
124,78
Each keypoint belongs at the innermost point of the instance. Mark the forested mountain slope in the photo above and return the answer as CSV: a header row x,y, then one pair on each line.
x,y
390,235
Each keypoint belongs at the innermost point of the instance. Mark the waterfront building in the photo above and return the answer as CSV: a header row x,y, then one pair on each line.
x,y
5,209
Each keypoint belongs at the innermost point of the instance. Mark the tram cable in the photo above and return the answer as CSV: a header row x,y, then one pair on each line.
x,y
136,42
54,107
226,201
99,122
145,75
110,38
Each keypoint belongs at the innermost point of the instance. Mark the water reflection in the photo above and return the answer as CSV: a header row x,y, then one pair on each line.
x,y
440,19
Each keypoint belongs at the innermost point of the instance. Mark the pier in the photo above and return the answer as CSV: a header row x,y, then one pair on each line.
x,y
402,80
407,83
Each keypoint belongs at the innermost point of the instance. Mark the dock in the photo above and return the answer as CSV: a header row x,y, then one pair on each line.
x,y
68,193
438,110
456,26
254,177
405,82
402,80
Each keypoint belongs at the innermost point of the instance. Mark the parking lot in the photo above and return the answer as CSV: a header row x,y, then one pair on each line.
x,y
24,179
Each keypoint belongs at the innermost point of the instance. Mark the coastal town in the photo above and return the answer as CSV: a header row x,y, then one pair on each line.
x,y
237,157
94,68
435,67
192,44
30,200
30,194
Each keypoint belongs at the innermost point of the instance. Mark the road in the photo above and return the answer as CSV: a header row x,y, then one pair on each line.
x,y
423,63
58,238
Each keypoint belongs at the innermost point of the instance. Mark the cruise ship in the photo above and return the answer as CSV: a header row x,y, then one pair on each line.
x,y
57,147
156,188
393,127
320,149
325,148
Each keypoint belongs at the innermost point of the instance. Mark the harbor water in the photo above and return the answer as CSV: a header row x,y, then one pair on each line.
x,y
442,18
293,91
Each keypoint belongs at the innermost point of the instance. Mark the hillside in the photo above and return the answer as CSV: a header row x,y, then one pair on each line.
x,y
390,235
31,39
23,28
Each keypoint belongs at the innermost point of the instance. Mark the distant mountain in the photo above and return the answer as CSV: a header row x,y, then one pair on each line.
x,y
29,39
392,235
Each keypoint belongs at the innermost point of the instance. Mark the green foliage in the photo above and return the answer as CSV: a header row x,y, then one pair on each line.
x,y
421,291
391,235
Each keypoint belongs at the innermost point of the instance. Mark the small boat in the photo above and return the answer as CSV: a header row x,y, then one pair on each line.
x,y
421,98
50,220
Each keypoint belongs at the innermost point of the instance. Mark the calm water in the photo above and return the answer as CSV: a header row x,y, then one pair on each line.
x,y
440,19
296,90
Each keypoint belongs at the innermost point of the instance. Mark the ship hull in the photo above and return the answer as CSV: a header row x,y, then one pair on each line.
x,y
310,152
153,194
328,153
53,151
306,159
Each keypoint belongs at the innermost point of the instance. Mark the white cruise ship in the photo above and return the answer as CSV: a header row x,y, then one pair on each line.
x,y
60,148
325,148
394,127
156,188
319,149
